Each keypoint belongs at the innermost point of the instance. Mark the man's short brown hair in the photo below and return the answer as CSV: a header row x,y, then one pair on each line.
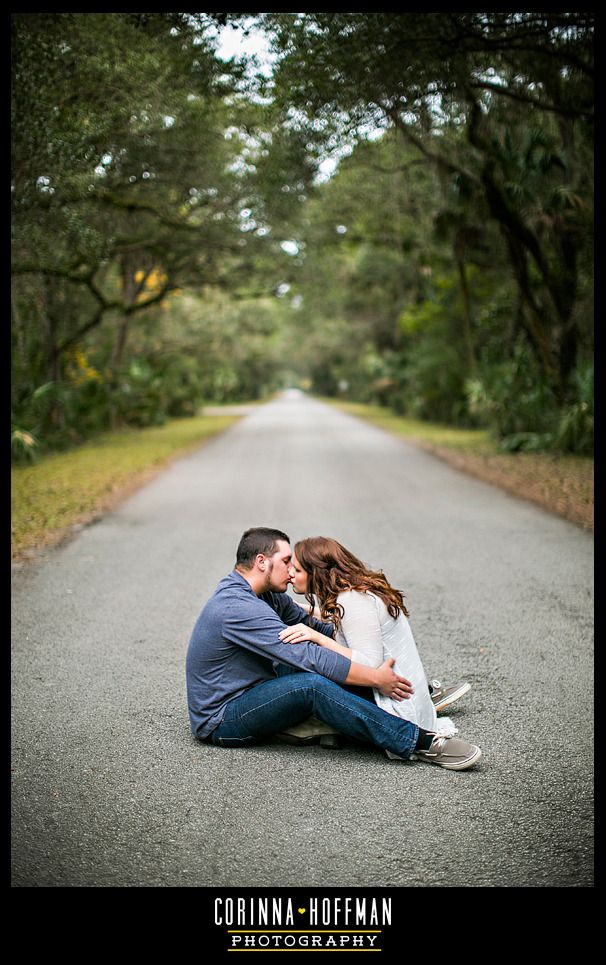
x,y
257,540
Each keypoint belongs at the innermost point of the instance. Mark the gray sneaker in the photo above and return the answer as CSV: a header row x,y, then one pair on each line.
x,y
442,697
451,752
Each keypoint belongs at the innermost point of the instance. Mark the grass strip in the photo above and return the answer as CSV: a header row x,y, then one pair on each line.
x,y
70,488
561,484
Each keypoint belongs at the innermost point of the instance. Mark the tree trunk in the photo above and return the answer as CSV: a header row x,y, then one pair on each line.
x,y
530,314
467,317
552,336
130,264
49,320
129,293
120,343
569,337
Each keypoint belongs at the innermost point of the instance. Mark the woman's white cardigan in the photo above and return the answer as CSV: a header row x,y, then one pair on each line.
x,y
373,636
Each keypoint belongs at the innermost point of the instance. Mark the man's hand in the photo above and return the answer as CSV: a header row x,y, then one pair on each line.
x,y
383,677
390,684
299,633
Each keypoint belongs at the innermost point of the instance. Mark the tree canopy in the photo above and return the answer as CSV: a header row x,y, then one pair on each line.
x,y
175,239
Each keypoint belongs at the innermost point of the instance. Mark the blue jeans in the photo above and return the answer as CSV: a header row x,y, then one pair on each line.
x,y
293,696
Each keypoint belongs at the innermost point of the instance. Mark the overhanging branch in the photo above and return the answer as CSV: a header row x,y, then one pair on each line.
x,y
439,159
527,99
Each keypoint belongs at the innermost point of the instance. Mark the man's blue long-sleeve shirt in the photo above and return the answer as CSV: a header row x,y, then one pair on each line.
x,y
236,640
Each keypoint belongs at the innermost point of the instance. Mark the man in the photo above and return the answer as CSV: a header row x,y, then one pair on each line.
x,y
240,692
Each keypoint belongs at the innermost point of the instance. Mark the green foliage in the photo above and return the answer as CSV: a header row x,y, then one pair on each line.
x,y
133,177
511,398
522,410
146,392
497,107
23,445
575,427
445,269
140,399
31,418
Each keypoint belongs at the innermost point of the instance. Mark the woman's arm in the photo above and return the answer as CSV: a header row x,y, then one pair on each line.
x,y
300,632
378,675
363,631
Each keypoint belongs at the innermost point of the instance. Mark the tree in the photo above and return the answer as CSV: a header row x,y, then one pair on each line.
x,y
127,182
519,85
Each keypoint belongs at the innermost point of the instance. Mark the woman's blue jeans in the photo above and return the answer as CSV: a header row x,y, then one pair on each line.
x,y
292,696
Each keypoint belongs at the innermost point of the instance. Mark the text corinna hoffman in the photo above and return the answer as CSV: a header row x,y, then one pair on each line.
x,y
310,912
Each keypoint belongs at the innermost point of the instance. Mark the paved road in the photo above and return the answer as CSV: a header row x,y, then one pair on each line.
x,y
111,789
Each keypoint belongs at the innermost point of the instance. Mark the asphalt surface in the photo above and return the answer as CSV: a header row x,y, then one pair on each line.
x,y
111,789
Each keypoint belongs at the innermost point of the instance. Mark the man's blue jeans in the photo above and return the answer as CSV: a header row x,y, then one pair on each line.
x,y
269,707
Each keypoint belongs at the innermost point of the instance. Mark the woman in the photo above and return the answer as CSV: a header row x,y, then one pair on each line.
x,y
370,619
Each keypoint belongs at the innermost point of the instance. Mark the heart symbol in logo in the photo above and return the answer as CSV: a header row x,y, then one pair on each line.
x,y
301,910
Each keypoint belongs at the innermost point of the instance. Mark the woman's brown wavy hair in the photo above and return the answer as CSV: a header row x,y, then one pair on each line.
x,y
331,569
